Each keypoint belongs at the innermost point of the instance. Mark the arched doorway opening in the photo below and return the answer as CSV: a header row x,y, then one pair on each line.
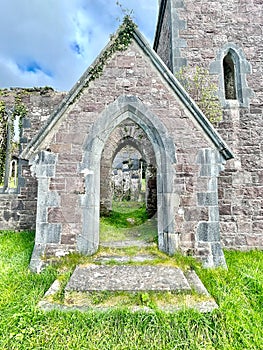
x,y
128,188
128,108
128,176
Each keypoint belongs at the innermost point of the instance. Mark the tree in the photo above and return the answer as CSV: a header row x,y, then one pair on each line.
x,y
203,91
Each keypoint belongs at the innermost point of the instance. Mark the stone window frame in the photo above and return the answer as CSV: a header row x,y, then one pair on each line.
x,y
242,68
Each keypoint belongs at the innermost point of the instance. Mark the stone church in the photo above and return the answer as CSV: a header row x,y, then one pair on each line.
x,y
208,179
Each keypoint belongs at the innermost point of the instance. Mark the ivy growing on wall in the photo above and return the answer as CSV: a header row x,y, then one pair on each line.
x,y
203,91
19,109
119,42
3,138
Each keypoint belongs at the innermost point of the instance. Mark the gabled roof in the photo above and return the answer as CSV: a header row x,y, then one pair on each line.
x,y
93,72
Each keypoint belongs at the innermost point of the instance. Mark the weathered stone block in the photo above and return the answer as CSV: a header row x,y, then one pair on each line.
x,y
213,214
48,233
208,232
207,199
218,255
55,215
257,226
68,239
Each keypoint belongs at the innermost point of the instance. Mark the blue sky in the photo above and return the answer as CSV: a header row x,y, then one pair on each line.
x,y
52,42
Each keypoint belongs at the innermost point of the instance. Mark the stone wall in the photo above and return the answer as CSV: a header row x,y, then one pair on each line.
x,y
18,208
134,85
164,36
203,32
40,103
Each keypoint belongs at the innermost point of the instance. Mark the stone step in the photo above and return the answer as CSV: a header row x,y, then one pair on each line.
x,y
124,259
127,278
93,278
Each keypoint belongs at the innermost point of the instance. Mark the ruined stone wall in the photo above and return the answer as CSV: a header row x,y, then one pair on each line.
x,y
18,209
203,31
18,205
40,103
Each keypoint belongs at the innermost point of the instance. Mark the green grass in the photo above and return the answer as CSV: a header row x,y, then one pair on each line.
x,y
154,301
127,214
11,184
237,324
128,220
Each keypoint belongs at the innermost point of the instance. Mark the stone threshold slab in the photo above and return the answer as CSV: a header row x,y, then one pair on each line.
x,y
129,278
208,304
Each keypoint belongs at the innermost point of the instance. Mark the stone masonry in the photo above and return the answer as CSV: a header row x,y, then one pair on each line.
x,y
201,33
67,160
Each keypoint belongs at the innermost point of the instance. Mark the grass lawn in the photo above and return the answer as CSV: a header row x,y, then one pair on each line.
x,y
128,220
237,324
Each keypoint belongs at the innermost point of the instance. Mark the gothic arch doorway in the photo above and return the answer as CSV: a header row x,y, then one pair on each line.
x,y
128,190
124,108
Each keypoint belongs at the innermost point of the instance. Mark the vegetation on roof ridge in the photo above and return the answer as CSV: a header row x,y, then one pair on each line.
x,y
119,42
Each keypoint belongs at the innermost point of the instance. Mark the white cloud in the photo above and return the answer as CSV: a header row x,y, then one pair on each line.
x,y
52,42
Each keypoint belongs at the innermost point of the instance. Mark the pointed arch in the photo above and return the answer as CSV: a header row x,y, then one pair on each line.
x,y
232,67
123,108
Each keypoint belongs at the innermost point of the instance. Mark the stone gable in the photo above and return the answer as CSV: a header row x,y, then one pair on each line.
x,y
67,162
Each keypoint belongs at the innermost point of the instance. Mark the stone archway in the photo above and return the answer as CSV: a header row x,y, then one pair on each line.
x,y
128,107
127,134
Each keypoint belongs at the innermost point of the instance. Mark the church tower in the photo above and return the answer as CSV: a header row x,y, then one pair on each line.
x,y
225,38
